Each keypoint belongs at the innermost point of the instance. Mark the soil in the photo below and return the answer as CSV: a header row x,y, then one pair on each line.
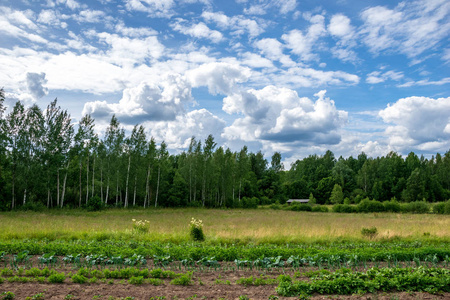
x,y
206,285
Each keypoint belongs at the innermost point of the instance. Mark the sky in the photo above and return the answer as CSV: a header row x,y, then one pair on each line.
x,y
296,77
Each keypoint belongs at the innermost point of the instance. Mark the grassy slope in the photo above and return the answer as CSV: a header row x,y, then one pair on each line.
x,y
258,226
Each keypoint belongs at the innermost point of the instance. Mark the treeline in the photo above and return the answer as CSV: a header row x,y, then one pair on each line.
x,y
47,161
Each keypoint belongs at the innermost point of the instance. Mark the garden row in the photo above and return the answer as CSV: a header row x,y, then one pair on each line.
x,y
84,275
340,282
378,251
347,282
356,258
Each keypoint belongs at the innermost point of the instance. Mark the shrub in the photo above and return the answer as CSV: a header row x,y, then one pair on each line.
x,y
343,208
439,208
442,208
265,200
417,207
447,208
300,207
368,206
95,204
249,202
392,206
275,206
319,208
369,232
33,206
196,230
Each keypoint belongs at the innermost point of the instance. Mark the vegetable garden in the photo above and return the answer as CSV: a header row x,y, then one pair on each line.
x,y
135,264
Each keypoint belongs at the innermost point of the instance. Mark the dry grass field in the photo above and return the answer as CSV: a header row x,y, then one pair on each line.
x,y
257,225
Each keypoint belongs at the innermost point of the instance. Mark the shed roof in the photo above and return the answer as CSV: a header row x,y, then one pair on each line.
x,y
298,200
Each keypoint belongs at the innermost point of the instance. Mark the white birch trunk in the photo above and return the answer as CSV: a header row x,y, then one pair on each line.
x,y
93,177
134,196
128,176
57,187
87,180
157,186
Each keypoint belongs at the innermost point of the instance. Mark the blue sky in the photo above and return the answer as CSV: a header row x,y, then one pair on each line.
x,y
298,77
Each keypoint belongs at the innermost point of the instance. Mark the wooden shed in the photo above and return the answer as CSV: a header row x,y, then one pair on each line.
x,y
301,201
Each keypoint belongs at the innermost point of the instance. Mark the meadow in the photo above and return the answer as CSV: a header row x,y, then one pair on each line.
x,y
222,226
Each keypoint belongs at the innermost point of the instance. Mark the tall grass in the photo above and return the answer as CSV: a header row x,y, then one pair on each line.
x,y
256,226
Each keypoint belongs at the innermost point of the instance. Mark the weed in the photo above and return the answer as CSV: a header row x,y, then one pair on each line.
x,y
196,230
369,232
7,295
38,296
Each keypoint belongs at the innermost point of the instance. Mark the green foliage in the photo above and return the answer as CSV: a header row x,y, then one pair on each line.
x,y
136,280
76,278
95,204
369,232
312,200
183,279
38,146
319,208
300,207
256,281
368,206
346,282
38,296
33,206
442,208
57,278
7,295
392,206
337,196
417,207
344,208
249,202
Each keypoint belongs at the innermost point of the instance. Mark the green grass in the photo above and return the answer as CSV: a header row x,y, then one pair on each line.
x,y
230,226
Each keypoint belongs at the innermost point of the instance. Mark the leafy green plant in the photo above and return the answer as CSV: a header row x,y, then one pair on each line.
x,y
7,295
136,280
57,278
77,278
38,296
155,281
183,279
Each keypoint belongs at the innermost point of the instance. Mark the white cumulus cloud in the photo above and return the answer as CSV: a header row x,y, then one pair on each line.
x,y
199,30
418,122
148,101
219,77
279,115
